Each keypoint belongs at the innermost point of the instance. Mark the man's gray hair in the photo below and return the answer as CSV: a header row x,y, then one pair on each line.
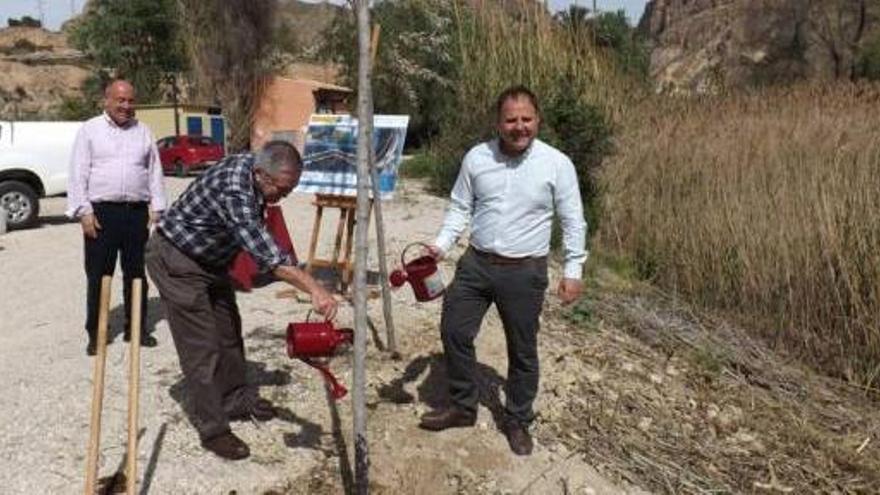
x,y
276,155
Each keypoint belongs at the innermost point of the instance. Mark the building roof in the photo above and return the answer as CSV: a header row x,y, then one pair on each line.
x,y
182,106
317,84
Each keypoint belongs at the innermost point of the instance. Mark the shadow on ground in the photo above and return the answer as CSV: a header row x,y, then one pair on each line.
x,y
116,321
432,390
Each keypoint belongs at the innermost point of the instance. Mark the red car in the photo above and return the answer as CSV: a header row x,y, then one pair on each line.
x,y
183,154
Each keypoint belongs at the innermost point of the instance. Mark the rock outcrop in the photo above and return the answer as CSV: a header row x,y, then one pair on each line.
x,y
37,71
705,45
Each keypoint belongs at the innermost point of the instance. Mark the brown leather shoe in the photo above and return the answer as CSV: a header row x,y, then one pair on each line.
x,y
227,446
519,439
453,417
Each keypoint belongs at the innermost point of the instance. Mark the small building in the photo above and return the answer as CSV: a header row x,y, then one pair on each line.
x,y
287,104
198,120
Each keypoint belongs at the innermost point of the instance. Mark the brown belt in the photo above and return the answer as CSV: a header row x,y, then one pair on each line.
x,y
497,259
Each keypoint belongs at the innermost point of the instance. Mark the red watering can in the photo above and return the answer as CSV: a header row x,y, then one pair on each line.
x,y
421,273
314,342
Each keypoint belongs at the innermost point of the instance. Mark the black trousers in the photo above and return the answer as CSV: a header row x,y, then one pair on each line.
x,y
123,233
206,328
517,290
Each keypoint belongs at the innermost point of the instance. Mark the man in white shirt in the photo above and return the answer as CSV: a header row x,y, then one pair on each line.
x,y
507,191
115,190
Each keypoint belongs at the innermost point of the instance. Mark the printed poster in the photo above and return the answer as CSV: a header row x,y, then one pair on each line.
x,y
330,154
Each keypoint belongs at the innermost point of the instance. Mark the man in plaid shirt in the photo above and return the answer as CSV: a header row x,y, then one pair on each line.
x,y
219,214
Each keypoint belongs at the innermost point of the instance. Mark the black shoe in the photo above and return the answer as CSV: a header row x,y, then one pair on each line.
x,y
453,417
518,438
261,410
92,346
146,340
227,446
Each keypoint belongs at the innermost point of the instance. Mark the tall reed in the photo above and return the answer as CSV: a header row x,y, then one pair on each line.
x,y
498,44
765,203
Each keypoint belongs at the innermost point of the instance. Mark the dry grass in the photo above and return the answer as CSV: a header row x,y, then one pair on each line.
x,y
766,204
519,42
499,44
682,402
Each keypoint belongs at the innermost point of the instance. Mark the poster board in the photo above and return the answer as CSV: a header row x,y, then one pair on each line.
x,y
330,154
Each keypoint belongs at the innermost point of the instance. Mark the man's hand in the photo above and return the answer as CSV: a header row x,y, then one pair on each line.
x,y
90,225
154,217
324,303
570,290
434,252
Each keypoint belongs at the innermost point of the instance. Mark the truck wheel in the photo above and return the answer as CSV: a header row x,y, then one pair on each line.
x,y
179,168
20,202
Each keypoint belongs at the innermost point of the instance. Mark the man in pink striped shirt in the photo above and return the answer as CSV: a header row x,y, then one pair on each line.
x,y
115,190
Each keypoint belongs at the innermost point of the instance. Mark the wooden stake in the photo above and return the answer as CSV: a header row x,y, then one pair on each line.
x,y
390,333
134,383
364,146
98,387
374,44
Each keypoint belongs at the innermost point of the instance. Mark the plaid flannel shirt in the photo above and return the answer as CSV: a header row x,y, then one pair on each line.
x,y
220,213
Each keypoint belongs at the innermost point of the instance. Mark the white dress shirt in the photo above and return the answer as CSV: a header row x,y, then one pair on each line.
x,y
113,163
510,201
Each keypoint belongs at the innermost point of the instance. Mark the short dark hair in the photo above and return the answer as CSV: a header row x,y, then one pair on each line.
x,y
276,154
514,93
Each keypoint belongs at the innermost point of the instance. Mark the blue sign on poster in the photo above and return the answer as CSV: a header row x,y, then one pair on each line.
x,y
330,154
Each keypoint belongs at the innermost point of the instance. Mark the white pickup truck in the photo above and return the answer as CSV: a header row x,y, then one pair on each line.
x,y
34,161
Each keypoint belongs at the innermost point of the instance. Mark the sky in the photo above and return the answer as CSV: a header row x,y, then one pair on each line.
x,y
55,12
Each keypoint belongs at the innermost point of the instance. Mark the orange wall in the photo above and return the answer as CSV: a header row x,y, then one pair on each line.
x,y
286,106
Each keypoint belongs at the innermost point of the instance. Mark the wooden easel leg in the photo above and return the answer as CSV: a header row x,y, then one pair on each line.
x,y
337,244
349,238
316,229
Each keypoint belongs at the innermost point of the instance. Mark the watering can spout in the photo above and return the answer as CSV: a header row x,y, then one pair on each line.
x,y
313,342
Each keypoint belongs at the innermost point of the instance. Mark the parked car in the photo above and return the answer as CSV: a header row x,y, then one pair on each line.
x,y
34,162
182,154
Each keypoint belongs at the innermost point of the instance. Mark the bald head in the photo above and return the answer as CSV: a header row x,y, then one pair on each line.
x,y
119,102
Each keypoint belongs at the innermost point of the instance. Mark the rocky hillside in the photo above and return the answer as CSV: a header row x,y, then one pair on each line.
x,y
37,71
702,45
306,22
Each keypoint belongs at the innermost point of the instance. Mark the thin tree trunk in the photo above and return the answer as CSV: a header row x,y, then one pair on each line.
x,y
364,147
390,333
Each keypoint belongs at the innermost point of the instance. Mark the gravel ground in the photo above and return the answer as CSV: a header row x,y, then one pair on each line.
x,y
46,393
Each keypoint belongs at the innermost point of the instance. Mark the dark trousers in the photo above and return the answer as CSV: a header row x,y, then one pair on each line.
x,y
206,328
517,290
124,233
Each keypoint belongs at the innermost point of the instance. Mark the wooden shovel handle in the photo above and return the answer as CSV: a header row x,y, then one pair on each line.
x,y
134,384
98,387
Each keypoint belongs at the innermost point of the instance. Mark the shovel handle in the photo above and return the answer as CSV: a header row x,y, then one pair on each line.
x,y
98,388
137,286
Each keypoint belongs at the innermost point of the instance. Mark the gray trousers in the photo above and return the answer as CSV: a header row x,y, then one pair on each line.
x,y
517,290
206,327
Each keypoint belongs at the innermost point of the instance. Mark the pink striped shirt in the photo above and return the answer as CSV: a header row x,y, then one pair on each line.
x,y
113,163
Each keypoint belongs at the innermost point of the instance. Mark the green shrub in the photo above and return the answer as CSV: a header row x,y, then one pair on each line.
x,y
421,165
868,65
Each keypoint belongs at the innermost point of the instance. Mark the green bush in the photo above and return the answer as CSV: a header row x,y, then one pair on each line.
x,y
421,165
868,65
581,131
76,108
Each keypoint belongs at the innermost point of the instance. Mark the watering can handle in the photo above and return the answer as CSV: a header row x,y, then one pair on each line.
x,y
403,254
309,316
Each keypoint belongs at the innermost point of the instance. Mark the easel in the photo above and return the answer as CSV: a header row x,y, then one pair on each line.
x,y
344,233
